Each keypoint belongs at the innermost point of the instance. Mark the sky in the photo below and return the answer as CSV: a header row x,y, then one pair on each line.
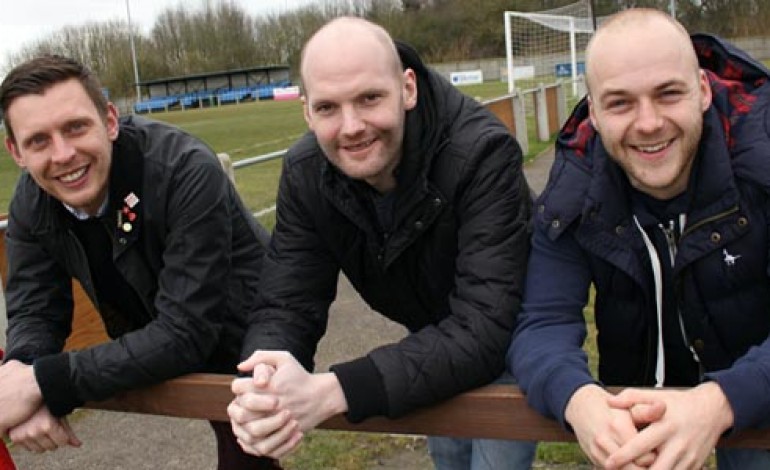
x,y
24,21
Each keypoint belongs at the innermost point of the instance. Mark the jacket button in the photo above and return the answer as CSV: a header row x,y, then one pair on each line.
x,y
716,237
437,202
619,230
743,221
122,241
699,345
555,223
418,225
541,208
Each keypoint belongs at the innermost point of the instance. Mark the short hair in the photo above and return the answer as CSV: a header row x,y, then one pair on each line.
x,y
41,73
361,25
620,22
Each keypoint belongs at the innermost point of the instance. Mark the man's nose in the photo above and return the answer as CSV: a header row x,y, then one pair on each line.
x,y
648,117
352,123
62,149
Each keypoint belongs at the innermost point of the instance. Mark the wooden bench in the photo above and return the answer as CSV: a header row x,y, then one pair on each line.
x,y
494,411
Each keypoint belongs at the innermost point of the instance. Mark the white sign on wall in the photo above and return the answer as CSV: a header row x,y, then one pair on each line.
x,y
524,71
466,77
286,93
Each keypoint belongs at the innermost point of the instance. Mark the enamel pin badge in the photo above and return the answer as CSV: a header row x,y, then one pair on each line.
x,y
126,216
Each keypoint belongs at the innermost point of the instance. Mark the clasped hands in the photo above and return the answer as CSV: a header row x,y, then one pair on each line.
x,y
656,429
274,407
24,418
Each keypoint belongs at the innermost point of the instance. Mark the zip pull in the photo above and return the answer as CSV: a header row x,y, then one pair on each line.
x,y
670,234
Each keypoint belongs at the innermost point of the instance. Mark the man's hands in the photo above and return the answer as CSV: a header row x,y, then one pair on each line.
x,y
20,396
602,429
24,417
684,436
279,402
656,429
43,432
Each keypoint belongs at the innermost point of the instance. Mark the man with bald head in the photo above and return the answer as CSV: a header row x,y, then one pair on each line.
x,y
659,198
415,192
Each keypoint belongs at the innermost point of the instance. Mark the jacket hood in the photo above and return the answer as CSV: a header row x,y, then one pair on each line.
x,y
734,77
423,123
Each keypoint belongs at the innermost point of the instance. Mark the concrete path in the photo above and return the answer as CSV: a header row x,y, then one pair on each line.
x,y
127,441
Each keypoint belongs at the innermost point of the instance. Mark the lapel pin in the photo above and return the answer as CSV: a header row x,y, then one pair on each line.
x,y
131,200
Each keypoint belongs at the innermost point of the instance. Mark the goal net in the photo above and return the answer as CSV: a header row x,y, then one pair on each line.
x,y
544,46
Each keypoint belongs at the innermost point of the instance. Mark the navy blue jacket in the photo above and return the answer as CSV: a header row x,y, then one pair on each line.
x,y
584,233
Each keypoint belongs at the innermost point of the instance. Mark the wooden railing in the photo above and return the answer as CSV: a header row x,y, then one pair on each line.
x,y
492,412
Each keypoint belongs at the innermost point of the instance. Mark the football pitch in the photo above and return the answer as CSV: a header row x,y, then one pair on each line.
x,y
240,130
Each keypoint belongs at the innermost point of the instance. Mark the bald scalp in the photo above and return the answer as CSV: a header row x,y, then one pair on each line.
x,y
633,25
339,32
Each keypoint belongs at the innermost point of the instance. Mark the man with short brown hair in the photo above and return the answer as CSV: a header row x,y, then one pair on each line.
x,y
143,216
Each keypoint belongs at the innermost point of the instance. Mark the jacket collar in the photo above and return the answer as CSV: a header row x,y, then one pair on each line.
x,y
424,134
605,188
585,183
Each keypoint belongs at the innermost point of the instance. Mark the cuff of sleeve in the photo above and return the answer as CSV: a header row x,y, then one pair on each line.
x,y
559,392
25,357
748,400
363,388
53,377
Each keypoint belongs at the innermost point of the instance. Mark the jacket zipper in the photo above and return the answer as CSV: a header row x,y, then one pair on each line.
x,y
670,235
686,231
713,218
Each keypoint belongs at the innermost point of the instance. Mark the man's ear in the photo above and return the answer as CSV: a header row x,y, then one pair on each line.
x,y
592,113
111,121
410,89
306,112
10,145
705,88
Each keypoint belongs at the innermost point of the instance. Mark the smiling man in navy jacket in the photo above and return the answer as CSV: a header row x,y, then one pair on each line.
x,y
659,197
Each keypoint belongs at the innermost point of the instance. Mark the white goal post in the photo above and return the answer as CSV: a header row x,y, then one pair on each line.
x,y
543,46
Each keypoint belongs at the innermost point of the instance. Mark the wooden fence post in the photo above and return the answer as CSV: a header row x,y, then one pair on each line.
x,y
520,116
541,114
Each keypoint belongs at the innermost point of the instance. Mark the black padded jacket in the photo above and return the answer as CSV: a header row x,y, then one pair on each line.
x,y
450,269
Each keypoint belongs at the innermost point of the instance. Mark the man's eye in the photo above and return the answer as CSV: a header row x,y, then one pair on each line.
x,y
76,127
37,142
323,109
671,95
616,105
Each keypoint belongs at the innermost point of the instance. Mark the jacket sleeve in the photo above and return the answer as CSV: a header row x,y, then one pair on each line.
x,y
546,355
38,293
189,305
299,280
746,383
466,348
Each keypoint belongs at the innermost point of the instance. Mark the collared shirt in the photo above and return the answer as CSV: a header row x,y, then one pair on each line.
x,y
83,215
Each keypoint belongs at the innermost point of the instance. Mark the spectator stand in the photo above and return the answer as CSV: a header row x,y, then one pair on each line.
x,y
212,89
